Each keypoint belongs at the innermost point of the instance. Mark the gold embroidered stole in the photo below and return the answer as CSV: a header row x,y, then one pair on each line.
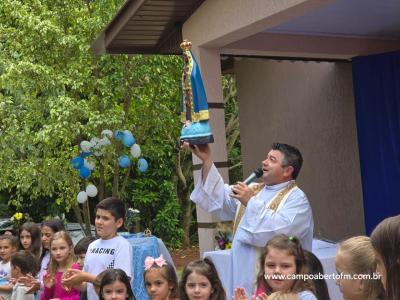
x,y
275,204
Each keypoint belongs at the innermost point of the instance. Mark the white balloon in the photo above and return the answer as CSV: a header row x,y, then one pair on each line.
x,y
135,150
90,164
82,197
107,132
94,141
98,153
91,190
103,142
85,146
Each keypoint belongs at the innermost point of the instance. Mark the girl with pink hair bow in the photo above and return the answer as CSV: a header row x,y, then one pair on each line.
x,y
160,279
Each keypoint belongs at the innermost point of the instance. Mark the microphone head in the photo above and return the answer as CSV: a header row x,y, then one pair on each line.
x,y
259,172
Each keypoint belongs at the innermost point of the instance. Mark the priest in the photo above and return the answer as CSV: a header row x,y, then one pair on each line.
x,y
259,211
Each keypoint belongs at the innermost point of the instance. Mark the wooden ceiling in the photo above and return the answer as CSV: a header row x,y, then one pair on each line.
x,y
146,27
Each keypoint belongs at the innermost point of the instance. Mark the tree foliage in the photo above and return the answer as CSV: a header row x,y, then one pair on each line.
x,y
54,93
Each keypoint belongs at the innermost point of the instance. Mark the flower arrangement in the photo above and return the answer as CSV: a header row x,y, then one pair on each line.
x,y
18,219
133,220
224,240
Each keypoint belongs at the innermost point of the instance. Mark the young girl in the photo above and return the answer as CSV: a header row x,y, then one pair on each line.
x,y
115,285
356,256
62,259
386,242
49,228
7,248
200,281
29,239
283,259
160,279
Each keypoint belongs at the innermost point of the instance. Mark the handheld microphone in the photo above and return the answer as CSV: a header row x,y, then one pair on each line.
x,y
257,173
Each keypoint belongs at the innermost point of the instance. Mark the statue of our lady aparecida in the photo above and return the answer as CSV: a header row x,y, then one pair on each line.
x,y
196,129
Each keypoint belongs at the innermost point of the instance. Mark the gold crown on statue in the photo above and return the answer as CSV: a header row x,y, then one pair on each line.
x,y
186,45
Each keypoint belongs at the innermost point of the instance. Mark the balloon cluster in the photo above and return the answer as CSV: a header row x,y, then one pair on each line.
x,y
96,147
91,191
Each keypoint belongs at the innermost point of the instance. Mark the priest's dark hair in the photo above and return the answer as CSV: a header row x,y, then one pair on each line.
x,y
292,157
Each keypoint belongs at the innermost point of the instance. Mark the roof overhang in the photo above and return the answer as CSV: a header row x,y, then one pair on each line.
x,y
146,27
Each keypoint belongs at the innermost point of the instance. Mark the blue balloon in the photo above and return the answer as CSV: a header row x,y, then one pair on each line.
x,y
124,161
142,165
84,172
77,162
128,140
119,135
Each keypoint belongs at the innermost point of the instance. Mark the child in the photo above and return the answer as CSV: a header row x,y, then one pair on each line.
x,y
7,248
356,256
62,259
81,249
160,279
80,254
29,239
283,258
386,242
97,282
109,251
200,281
23,264
49,228
115,285
314,267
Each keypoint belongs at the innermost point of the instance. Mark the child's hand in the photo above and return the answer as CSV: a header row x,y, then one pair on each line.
x,y
13,281
29,280
66,287
48,281
263,296
72,277
25,280
239,294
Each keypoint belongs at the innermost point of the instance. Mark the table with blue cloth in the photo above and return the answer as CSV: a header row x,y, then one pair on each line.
x,y
143,246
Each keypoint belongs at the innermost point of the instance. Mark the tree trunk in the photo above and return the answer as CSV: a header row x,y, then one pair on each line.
x,y
186,206
184,186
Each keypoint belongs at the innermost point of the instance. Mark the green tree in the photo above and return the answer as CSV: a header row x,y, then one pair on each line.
x,y
54,93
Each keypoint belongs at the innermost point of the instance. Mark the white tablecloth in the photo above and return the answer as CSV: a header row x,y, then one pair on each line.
x,y
323,250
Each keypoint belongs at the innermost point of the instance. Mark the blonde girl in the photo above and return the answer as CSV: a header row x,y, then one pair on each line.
x,y
356,256
62,259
